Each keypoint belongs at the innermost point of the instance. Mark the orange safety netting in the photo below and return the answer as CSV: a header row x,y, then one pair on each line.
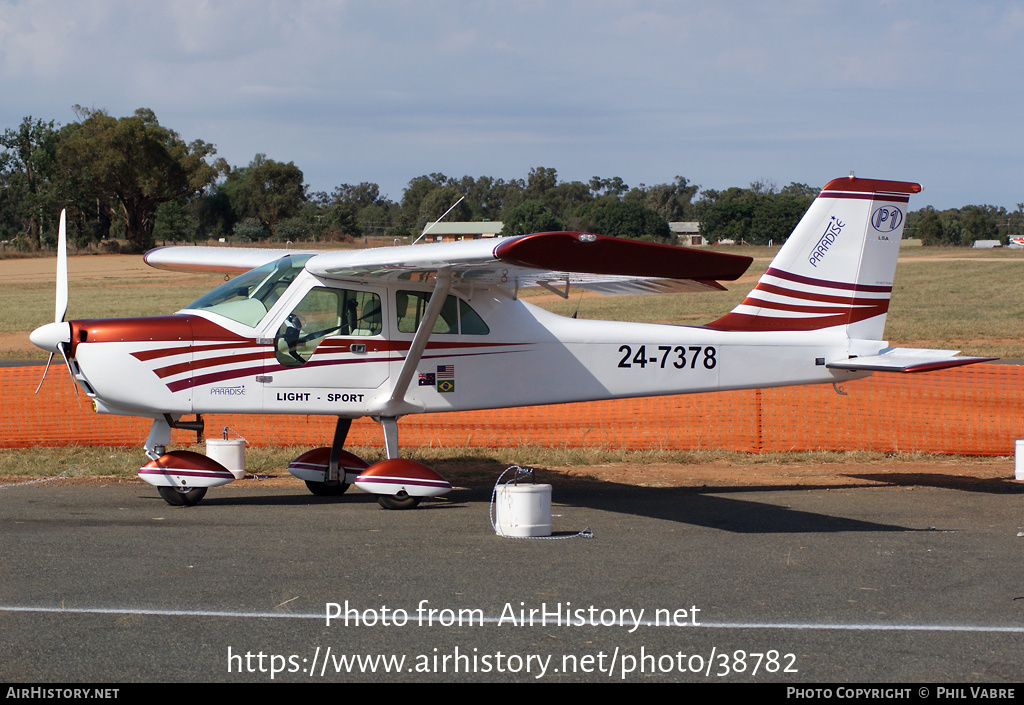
x,y
974,410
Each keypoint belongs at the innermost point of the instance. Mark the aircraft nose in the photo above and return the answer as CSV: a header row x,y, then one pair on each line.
x,y
50,336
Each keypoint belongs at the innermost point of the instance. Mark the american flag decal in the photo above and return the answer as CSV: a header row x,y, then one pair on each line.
x,y
446,379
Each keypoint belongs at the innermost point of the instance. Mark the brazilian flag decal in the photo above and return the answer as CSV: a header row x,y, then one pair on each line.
x,y
445,378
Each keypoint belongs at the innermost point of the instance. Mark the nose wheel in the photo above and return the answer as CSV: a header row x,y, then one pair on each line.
x,y
398,501
180,497
326,489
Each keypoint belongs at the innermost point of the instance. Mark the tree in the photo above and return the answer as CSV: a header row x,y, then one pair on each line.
x,y
437,202
930,229
131,165
609,216
174,222
673,202
530,216
416,191
608,187
541,180
335,215
978,224
567,196
758,215
267,190
26,171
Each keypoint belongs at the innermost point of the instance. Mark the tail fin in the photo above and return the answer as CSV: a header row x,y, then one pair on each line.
x,y
836,269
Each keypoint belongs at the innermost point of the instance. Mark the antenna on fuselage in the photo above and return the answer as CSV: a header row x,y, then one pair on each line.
x,y
427,229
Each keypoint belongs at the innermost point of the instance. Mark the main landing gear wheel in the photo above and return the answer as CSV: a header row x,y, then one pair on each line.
x,y
180,497
398,501
327,489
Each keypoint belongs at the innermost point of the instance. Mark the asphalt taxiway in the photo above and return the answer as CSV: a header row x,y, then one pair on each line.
x,y
105,583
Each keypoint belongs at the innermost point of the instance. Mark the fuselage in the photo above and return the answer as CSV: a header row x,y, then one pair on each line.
x,y
338,347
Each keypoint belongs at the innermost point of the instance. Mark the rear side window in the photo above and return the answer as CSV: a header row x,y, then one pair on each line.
x,y
456,318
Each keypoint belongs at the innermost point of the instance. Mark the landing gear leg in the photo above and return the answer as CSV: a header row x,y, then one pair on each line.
x,y
390,426
158,439
402,500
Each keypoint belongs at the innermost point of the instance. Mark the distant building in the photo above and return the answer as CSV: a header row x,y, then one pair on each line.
x,y
688,232
446,232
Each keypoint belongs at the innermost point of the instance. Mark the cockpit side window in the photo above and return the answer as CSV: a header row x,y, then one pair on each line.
x,y
325,312
248,297
456,317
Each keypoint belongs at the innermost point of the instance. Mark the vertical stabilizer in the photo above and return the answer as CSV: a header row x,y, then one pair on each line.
x,y
836,269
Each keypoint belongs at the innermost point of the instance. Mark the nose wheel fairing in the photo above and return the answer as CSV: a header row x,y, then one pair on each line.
x,y
313,468
184,470
400,477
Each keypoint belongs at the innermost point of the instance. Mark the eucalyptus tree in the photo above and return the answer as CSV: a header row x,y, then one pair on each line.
x,y
266,190
131,165
28,196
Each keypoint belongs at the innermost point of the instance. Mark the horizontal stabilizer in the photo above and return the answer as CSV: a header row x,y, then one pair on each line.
x,y
907,360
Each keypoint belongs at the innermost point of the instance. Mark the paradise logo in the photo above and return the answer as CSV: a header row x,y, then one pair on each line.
x,y
820,249
238,391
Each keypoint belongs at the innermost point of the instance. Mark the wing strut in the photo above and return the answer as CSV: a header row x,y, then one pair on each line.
x,y
393,406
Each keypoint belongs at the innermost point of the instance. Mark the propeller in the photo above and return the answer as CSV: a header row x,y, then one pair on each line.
x,y
53,336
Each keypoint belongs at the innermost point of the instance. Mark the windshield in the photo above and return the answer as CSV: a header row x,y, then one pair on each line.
x,y
248,297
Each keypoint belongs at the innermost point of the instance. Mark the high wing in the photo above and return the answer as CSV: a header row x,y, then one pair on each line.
x,y
606,264
234,260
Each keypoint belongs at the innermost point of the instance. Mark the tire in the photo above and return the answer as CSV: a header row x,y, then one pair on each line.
x,y
327,489
397,501
182,498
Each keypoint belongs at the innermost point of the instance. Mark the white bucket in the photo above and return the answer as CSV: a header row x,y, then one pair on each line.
x,y
523,510
229,452
1018,465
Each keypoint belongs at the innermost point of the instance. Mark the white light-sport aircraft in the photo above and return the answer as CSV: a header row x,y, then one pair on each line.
x,y
439,327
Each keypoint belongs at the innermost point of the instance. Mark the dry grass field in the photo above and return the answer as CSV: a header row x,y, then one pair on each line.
x,y
970,300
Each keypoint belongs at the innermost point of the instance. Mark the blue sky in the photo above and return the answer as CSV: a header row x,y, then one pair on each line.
x,y
723,93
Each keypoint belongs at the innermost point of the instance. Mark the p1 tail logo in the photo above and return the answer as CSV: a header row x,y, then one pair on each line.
x,y
886,219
